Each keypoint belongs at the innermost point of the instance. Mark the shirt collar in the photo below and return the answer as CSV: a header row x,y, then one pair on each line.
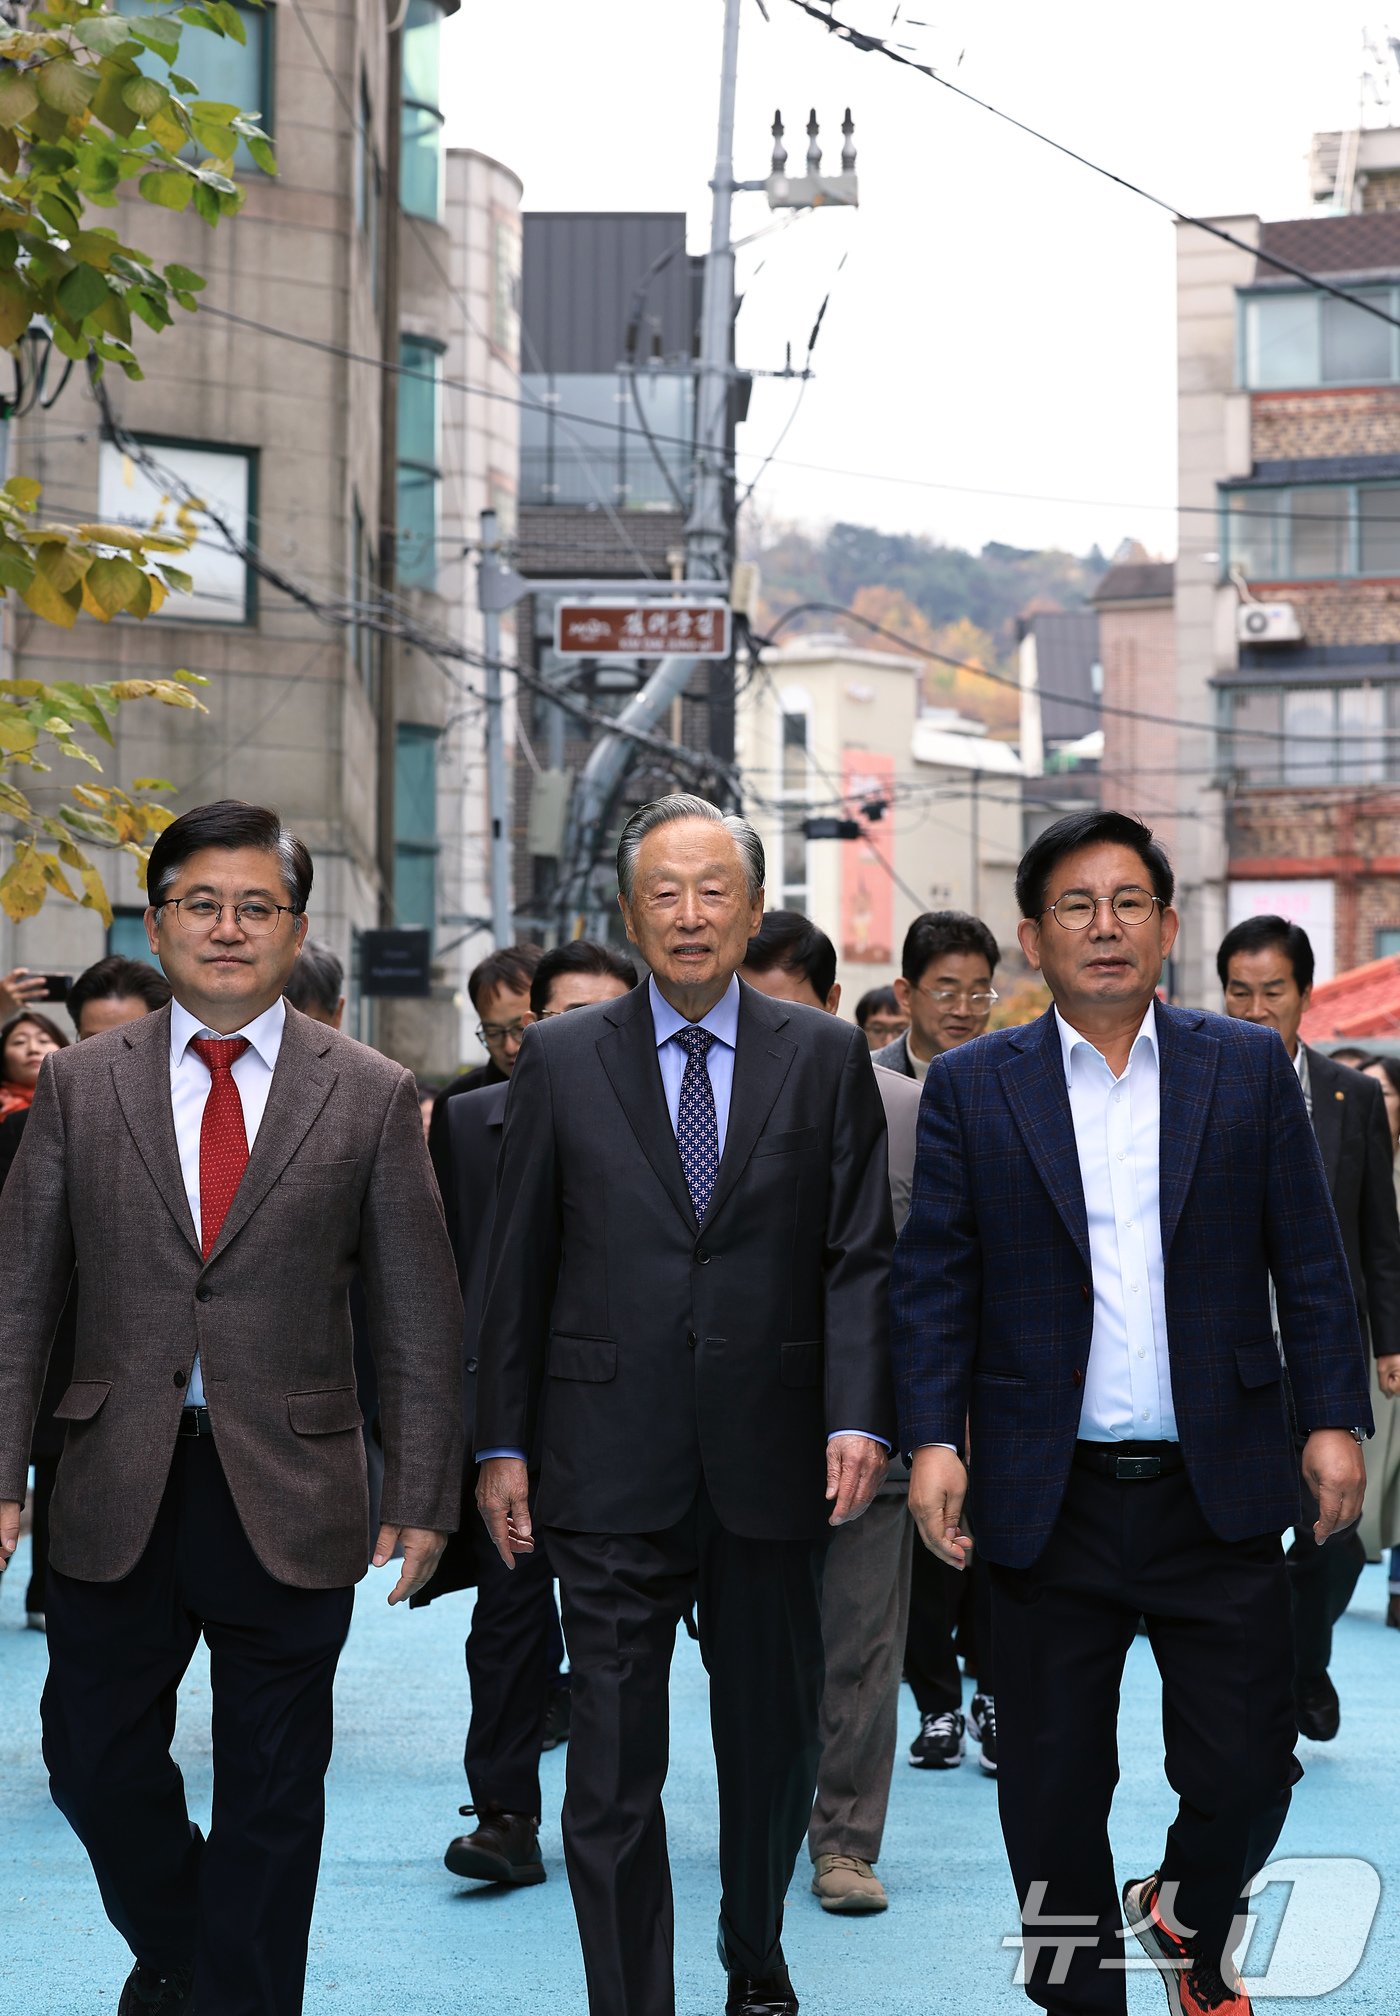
x,y
722,1020
264,1032
1300,1065
1071,1040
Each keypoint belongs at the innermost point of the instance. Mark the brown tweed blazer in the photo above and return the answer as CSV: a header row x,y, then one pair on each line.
x,y
338,1182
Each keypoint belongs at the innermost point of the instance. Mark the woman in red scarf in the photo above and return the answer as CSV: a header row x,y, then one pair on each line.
x,y
25,1041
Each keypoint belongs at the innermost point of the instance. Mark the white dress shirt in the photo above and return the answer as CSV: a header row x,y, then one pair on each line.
x,y
190,1080
723,1024
1117,1126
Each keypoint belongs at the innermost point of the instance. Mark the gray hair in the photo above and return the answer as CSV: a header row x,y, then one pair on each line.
x,y
318,978
682,805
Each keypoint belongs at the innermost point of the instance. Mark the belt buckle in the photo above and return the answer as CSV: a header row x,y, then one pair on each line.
x,y
1129,1469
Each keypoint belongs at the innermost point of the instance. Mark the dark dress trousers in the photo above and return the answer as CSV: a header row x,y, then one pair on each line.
x,y
250,1536
1348,1115
680,1381
513,1636
993,1304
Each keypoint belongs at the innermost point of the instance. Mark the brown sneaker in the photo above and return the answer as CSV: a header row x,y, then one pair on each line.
x,y
845,1883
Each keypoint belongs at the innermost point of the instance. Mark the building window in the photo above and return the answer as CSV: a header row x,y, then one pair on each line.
x,y
1313,532
415,826
363,639
1308,736
223,70
369,188
420,469
1387,941
225,479
126,936
794,776
505,294
420,156
1295,339
582,438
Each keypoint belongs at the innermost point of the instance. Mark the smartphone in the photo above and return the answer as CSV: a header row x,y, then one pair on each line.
x,y
56,987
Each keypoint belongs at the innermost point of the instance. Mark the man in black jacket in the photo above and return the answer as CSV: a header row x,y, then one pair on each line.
x,y
499,990
1266,970
686,1305
512,1641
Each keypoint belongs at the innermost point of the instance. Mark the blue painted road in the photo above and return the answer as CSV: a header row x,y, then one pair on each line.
x,y
395,1935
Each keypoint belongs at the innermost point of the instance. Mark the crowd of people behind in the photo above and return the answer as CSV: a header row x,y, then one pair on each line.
x,y
507,1141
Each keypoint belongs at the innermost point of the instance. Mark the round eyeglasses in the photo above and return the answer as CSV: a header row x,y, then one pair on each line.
x,y
1077,909
199,915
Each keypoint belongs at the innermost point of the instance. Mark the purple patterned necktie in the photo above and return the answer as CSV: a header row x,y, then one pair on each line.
x,y
697,1129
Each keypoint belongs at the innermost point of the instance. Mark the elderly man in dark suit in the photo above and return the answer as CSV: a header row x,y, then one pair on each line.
x,y
512,1643
1099,1202
217,1172
1266,971
686,1304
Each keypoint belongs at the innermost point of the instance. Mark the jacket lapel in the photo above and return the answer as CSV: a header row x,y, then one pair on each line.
x,y
1190,1059
627,1052
141,1080
301,1084
1034,1083
762,1060
1328,1112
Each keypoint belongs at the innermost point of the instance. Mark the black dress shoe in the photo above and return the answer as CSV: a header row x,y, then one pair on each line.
x,y
503,1848
771,1996
148,1993
1319,1710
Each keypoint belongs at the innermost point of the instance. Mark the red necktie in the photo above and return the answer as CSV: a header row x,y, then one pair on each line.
x,y
223,1139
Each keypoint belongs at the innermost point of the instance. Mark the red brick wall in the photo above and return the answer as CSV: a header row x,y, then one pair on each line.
x,y
1350,839
1288,425
1340,612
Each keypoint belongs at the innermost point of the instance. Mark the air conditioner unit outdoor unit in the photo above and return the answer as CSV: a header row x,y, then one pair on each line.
x,y
1268,623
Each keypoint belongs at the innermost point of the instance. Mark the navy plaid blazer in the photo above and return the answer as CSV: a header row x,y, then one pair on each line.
x,y
992,1298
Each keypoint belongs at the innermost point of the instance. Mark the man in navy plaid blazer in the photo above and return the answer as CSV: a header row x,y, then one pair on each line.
x,y
1081,1307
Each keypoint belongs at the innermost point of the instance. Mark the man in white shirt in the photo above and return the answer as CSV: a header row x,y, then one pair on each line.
x,y
218,1172
1100,1200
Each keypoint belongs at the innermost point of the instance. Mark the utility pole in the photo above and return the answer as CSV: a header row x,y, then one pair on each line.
x,y
489,591
386,544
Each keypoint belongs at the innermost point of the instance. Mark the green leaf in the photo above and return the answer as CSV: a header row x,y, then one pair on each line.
x,y
78,703
206,203
177,580
16,571
115,585
182,277
16,731
170,188
230,20
64,85
151,784
145,96
24,491
14,802
82,291
261,151
103,33
17,306
158,33
46,602
110,106
18,98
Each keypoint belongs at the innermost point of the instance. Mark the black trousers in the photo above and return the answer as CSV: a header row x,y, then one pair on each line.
x,y
941,1598
512,1666
758,1605
1323,1580
239,1905
37,1595
1217,1615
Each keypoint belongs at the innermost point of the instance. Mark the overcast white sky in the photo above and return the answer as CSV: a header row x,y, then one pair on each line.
x,y
1004,322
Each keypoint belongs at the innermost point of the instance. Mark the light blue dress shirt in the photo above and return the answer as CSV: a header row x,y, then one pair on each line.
x,y
1117,1133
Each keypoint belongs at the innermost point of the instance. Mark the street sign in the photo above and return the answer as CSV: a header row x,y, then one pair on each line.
x,y
395,964
651,629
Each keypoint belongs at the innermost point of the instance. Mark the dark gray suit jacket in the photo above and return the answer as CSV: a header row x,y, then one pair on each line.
x,y
1348,1114
650,1352
338,1182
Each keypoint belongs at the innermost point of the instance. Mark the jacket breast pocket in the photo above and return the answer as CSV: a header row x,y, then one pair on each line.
x,y
1258,1364
791,1143
298,1174
589,1358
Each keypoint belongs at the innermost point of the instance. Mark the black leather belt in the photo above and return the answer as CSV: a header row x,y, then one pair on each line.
x,y
1129,1462
195,1421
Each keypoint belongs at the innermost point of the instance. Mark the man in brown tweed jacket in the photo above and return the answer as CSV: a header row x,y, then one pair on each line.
x,y
217,1173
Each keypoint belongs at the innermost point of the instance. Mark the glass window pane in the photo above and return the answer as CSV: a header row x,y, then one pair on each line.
x,y
1320,526
1380,531
1281,340
1355,345
1307,725
794,777
417,550
1387,941
127,494
415,783
1251,751
1360,726
794,865
1255,525
228,72
418,401
422,44
420,157
418,463
666,401
126,937
415,887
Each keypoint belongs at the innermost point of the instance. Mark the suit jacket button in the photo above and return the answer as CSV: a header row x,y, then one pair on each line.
x,y
1085,1290
179,1378
471,1364
1077,1376
702,1254
690,1340
203,1293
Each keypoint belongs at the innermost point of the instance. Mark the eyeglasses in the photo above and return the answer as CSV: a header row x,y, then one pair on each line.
x,y
981,1003
889,1029
502,1032
199,915
1077,909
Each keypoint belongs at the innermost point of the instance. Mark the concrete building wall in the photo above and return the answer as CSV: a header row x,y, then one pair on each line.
x,y
1137,646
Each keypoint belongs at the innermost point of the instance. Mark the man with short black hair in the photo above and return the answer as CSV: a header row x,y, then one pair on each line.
x,y
499,989
115,990
945,989
1266,971
865,1585
879,1014
317,984
217,1172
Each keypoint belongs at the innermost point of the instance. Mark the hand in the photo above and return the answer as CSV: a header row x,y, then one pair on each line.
x,y
503,1500
855,1470
422,1550
1334,1470
937,1488
1388,1373
18,989
9,1530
